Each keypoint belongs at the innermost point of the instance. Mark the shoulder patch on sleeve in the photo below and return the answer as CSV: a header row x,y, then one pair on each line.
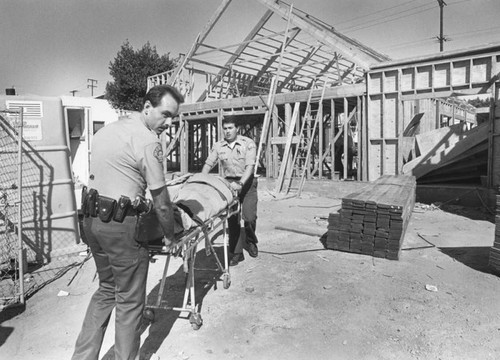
x,y
251,145
158,153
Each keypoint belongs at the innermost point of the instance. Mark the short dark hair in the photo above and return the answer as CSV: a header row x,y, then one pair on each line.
x,y
231,119
156,93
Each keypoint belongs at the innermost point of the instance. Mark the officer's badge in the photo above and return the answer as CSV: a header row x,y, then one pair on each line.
x,y
158,153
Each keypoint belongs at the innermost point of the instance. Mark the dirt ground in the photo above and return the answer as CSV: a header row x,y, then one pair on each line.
x,y
298,300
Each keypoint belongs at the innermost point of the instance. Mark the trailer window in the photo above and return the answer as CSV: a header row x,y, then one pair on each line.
x,y
76,124
98,125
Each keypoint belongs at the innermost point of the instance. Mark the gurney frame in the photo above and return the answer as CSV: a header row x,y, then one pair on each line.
x,y
187,248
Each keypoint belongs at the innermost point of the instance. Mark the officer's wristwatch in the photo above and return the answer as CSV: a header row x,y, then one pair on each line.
x,y
239,183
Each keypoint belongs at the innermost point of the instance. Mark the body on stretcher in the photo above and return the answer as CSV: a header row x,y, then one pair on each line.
x,y
204,202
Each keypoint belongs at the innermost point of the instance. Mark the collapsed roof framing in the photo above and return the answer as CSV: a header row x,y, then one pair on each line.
x,y
301,55
306,51
363,92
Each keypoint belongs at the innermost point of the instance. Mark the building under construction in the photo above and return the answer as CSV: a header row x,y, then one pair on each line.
x,y
322,105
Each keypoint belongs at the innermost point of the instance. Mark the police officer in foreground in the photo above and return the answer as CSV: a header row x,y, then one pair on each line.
x,y
126,158
237,156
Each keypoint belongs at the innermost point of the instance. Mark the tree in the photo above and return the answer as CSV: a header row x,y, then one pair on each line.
x,y
130,70
478,102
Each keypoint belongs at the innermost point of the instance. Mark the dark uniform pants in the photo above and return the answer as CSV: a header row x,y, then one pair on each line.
x,y
248,200
122,265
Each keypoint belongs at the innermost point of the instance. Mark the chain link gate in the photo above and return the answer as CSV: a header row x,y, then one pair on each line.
x,y
34,249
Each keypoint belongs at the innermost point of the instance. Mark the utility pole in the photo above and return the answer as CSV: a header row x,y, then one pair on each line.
x,y
73,92
441,36
91,86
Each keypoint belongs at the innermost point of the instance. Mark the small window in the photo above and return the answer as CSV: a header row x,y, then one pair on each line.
x,y
98,125
76,124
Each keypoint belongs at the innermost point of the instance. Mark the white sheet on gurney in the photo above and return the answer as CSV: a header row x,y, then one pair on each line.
x,y
202,196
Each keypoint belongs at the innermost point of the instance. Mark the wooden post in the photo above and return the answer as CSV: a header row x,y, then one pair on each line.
x,y
220,135
358,127
333,126
183,145
275,147
400,125
346,135
320,141
285,162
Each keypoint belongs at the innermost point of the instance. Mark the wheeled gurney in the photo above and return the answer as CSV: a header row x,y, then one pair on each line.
x,y
204,203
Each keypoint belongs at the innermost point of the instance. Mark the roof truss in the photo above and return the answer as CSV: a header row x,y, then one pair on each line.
x,y
313,51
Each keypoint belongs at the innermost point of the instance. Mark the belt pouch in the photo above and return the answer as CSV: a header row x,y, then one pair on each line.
x,y
92,202
124,203
106,208
84,204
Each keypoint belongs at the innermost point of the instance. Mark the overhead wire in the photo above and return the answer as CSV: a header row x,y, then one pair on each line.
x,y
373,13
390,18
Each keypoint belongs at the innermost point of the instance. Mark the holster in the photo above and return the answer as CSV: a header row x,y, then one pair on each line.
x,y
92,202
84,202
124,203
140,234
106,208
142,205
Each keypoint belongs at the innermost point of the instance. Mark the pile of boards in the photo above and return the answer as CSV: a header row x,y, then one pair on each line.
x,y
373,220
494,261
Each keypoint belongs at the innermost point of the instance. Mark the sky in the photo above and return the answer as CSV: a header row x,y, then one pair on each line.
x,y
53,47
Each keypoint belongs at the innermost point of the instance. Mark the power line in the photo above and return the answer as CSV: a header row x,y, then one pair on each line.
x,y
373,13
476,31
406,43
383,21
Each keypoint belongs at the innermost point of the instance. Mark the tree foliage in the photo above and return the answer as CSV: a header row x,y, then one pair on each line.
x,y
130,70
478,102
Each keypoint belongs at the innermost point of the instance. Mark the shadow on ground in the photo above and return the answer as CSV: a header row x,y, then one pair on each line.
x,y
472,213
207,275
476,258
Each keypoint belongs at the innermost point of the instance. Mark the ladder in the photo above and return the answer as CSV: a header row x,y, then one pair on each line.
x,y
300,166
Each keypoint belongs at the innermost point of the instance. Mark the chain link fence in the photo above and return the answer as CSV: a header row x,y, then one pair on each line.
x,y
39,237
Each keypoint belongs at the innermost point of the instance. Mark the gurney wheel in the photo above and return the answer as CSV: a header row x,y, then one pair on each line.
x,y
149,314
226,281
196,321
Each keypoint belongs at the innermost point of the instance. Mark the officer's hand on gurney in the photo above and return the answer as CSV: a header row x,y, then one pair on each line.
x,y
236,186
170,245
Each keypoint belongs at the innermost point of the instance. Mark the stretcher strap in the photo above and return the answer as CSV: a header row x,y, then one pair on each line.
x,y
223,197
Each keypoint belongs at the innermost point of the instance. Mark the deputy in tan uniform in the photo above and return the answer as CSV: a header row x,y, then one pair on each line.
x,y
126,159
237,156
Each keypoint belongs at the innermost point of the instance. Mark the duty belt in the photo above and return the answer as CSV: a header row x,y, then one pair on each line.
x,y
108,209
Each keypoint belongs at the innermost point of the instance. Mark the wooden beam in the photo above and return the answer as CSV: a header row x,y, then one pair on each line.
x,y
282,98
445,55
296,69
200,38
346,137
242,46
279,52
286,154
349,49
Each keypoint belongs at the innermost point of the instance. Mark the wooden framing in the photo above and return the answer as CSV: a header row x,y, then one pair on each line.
x,y
424,83
268,77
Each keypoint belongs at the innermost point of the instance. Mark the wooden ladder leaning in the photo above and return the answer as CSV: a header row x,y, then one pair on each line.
x,y
300,165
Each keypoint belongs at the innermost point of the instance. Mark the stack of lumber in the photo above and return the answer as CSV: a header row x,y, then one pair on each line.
x,y
373,220
495,250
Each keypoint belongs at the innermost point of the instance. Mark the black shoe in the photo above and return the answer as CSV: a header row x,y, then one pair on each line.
x,y
252,249
236,259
